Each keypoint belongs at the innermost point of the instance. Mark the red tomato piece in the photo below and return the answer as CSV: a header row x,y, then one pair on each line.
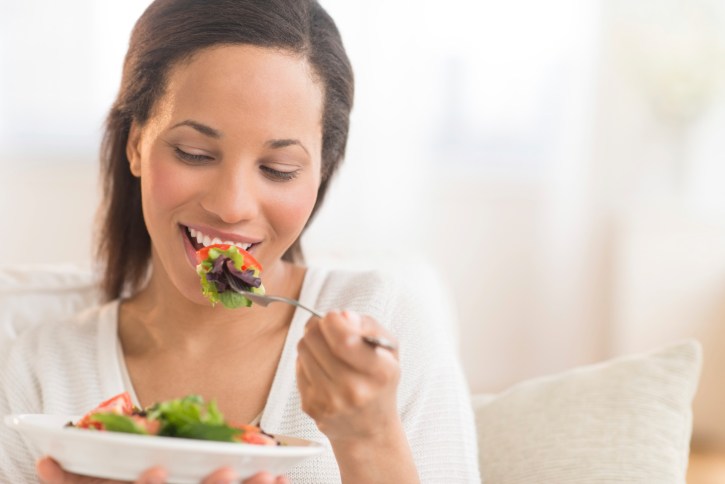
x,y
249,261
251,434
151,427
119,404
257,439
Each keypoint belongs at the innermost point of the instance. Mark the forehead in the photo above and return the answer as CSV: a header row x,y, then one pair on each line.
x,y
234,84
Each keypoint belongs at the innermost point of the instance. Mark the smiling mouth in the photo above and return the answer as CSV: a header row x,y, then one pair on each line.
x,y
200,240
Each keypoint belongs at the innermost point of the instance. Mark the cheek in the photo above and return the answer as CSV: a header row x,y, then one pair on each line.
x,y
292,209
165,185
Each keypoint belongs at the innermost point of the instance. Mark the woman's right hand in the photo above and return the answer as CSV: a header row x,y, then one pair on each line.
x,y
50,472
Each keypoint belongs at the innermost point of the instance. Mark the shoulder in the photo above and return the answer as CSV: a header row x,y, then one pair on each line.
x,y
352,286
412,296
365,291
45,362
39,374
66,336
32,295
73,330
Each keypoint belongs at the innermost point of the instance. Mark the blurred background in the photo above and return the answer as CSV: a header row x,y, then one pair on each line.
x,y
559,164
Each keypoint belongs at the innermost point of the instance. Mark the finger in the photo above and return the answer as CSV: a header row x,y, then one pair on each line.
x,y
224,475
347,379
343,332
313,318
316,393
315,343
310,366
372,328
281,480
306,351
303,385
261,478
50,472
154,475
302,381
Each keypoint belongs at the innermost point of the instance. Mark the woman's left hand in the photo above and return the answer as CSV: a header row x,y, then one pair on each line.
x,y
50,472
348,387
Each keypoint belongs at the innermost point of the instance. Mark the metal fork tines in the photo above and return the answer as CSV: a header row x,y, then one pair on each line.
x,y
265,300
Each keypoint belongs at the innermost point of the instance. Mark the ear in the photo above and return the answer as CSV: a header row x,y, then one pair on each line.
x,y
133,149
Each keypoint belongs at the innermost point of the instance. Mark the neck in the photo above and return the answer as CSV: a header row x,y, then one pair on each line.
x,y
161,318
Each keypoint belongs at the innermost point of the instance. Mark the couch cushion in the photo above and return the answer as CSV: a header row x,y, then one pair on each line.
x,y
30,295
624,420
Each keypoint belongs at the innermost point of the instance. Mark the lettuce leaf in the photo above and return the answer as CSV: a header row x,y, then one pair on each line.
x,y
215,271
191,418
119,423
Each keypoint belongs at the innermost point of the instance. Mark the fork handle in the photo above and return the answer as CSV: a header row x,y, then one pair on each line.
x,y
373,341
379,341
309,310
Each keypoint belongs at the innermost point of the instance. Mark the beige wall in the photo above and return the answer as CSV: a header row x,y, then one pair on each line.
x,y
671,284
618,248
46,210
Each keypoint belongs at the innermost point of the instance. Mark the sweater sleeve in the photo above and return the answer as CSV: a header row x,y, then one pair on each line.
x,y
433,397
51,368
18,394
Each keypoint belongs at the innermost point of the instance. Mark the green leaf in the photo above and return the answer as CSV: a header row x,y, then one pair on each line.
x,y
213,416
119,423
209,289
232,300
206,431
191,418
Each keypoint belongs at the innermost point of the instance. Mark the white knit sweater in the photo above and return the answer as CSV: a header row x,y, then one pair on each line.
x,y
69,367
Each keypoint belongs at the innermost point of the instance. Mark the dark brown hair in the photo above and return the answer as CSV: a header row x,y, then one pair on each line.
x,y
170,31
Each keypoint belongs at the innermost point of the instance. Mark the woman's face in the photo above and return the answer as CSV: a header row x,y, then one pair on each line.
x,y
231,153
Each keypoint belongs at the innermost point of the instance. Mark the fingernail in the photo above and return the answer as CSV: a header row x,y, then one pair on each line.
x,y
223,480
225,476
353,318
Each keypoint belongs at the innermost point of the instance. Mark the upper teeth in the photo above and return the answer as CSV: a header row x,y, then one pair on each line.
x,y
206,241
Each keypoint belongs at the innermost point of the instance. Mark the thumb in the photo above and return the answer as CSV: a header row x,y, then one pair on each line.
x,y
49,471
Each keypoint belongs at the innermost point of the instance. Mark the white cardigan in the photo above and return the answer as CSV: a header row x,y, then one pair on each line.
x,y
69,367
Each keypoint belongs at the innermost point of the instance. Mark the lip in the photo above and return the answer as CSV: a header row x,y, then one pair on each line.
x,y
188,248
223,236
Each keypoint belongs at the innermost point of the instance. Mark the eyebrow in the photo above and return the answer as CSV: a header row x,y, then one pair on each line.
x,y
283,143
202,128
216,134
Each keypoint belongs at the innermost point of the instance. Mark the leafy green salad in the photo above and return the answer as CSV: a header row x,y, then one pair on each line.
x,y
188,417
219,266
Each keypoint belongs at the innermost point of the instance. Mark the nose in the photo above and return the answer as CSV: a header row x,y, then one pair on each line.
x,y
232,195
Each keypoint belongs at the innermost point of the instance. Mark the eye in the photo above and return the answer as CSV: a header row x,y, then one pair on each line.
x,y
278,175
191,158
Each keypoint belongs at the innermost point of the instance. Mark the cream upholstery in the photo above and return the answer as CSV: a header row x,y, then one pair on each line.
x,y
626,420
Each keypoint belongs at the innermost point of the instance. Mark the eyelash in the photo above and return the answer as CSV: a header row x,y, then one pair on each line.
x,y
191,158
269,172
278,175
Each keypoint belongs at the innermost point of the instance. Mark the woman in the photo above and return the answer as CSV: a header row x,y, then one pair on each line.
x,y
230,121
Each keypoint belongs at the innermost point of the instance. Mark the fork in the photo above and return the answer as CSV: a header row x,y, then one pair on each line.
x,y
265,300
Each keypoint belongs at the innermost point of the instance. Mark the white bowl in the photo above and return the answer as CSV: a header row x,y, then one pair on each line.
x,y
115,455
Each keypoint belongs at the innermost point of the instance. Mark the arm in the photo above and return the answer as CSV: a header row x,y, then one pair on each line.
x,y
349,389
433,401
386,458
433,397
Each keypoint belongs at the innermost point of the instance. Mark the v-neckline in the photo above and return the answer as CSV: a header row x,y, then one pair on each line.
x,y
284,375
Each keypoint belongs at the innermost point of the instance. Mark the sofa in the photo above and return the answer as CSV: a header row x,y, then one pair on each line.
x,y
625,420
